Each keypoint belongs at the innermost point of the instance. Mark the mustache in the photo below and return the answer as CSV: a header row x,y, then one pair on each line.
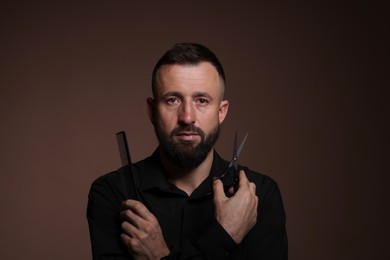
x,y
188,128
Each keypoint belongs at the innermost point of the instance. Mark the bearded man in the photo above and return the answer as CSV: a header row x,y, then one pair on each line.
x,y
179,208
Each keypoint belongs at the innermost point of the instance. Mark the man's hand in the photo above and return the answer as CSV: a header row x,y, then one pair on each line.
x,y
141,232
237,214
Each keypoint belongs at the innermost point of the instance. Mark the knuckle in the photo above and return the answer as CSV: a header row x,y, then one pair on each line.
x,y
126,214
254,221
137,205
133,244
126,227
148,229
255,202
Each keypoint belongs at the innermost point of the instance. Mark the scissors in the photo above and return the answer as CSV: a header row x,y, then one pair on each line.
x,y
233,164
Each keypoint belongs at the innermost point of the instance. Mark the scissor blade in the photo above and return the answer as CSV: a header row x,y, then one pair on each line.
x,y
235,147
236,152
241,145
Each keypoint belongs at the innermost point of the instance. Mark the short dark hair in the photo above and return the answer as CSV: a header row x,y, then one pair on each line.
x,y
188,54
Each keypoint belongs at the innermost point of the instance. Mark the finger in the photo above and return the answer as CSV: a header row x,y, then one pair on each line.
x,y
142,211
125,238
128,204
138,208
130,243
231,191
252,187
243,179
218,190
130,216
128,229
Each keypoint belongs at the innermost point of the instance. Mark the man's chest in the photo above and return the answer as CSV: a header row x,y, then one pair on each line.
x,y
181,218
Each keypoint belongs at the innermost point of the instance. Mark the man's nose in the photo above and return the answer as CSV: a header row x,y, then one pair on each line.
x,y
187,114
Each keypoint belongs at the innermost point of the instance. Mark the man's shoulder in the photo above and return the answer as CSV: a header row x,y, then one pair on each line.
x,y
115,177
258,177
110,180
264,183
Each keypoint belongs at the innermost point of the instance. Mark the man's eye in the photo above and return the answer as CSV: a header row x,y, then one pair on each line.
x,y
172,100
202,101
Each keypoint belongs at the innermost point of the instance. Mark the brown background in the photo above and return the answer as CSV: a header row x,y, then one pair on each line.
x,y
306,80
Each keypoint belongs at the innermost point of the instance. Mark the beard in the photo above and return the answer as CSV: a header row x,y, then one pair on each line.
x,y
186,154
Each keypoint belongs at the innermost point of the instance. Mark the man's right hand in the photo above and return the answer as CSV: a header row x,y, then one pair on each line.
x,y
141,232
237,214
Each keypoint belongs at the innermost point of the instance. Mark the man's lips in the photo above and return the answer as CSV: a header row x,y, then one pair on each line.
x,y
187,136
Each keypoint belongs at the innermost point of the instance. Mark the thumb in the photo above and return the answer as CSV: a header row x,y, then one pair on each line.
x,y
218,190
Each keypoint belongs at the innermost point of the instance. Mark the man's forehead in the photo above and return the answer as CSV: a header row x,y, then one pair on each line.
x,y
203,76
197,67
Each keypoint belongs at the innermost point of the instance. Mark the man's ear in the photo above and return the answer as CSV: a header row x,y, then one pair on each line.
x,y
151,109
223,110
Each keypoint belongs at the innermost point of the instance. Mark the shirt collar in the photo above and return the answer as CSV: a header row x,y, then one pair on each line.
x,y
153,175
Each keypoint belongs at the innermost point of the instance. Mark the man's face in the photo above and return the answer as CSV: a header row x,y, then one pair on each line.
x,y
187,112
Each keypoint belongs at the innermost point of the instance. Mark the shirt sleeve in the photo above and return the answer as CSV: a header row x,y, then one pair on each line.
x,y
268,238
215,243
104,221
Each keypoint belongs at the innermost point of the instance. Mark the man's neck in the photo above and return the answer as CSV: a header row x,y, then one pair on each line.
x,y
187,179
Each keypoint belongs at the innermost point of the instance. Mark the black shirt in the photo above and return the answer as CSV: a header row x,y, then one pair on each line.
x,y
187,222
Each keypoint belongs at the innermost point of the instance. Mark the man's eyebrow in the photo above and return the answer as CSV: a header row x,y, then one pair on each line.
x,y
194,95
202,94
172,93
